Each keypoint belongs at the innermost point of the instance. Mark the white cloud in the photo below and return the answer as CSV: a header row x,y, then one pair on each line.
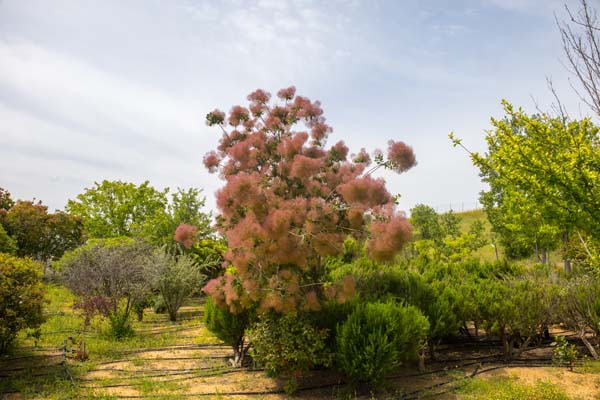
x,y
79,123
535,7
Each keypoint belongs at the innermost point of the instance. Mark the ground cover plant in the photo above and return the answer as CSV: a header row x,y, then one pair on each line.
x,y
171,359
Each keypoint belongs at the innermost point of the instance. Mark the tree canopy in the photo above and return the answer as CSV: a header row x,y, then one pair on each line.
x,y
39,234
116,208
288,200
544,172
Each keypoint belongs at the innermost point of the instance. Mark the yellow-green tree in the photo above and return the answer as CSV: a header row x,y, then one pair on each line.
x,y
545,171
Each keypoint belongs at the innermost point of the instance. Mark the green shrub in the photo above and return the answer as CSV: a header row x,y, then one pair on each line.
x,y
21,297
331,315
230,328
113,269
377,337
120,325
288,346
174,277
158,306
564,353
140,306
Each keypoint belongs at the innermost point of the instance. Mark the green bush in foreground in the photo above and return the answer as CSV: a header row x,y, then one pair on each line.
x,y
287,346
21,297
377,337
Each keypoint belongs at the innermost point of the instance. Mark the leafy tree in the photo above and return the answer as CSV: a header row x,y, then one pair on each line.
x,y
7,244
21,297
110,269
174,277
550,161
116,208
120,209
41,235
288,201
450,224
185,207
208,253
427,221
440,238
462,246
26,223
64,232
6,202
518,220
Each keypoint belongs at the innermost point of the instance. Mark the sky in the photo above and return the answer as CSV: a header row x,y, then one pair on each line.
x,y
118,90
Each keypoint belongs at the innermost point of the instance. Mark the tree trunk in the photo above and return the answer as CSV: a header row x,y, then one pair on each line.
x,y
545,256
588,344
566,261
466,328
172,315
238,353
496,250
523,346
506,344
422,360
431,345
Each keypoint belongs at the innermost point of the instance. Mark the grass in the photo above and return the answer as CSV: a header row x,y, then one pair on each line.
x,y
64,323
141,372
590,366
504,388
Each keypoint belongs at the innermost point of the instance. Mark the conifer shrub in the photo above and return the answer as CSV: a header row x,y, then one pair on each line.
x,y
228,327
21,297
378,337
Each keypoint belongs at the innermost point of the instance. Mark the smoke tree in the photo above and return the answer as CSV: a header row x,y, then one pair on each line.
x,y
289,200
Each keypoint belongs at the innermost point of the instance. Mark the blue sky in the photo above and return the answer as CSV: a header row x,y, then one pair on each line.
x,y
93,90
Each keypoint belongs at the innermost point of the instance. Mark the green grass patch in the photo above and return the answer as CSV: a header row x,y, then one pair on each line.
x,y
149,386
503,388
589,366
